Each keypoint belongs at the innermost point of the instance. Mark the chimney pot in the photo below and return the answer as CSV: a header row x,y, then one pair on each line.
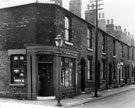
x,y
111,21
108,21
103,15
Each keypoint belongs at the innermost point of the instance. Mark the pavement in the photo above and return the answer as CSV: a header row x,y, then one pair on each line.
x,y
51,102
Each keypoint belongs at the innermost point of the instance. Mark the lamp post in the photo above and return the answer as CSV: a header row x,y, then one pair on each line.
x,y
59,43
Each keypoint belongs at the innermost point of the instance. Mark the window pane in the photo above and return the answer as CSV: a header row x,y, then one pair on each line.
x,y
66,35
17,69
67,71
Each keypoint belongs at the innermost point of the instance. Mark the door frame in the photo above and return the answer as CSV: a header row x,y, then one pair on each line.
x,y
83,64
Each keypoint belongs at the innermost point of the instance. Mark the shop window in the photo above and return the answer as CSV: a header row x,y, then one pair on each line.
x,y
67,71
90,69
18,68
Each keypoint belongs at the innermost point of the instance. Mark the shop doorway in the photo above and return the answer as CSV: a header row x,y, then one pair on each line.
x,y
45,78
82,75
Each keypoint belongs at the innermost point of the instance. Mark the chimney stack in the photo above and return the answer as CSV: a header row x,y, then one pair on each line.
x,y
75,6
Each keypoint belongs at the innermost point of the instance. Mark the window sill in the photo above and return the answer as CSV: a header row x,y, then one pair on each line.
x,y
103,53
69,43
17,85
89,49
114,57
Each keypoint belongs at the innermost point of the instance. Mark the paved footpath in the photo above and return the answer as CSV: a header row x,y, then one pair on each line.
x,y
68,102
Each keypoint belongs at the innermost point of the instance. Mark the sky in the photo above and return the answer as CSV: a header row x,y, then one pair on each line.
x,y
121,11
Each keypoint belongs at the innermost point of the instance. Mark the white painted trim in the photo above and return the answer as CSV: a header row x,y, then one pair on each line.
x,y
16,51
69,43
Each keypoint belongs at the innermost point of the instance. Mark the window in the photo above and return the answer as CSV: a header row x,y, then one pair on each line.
x,y
90,69
122,51
114,48
67,29
132,71
103,73
132,53
68,68
103,43
89,36
18,68
114,71
128,53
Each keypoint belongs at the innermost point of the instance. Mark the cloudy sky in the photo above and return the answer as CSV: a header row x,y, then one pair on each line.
x,y
122,11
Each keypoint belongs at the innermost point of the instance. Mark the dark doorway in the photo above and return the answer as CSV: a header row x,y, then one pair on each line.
x,y
125,75
82,74
98,74
45,75
110,75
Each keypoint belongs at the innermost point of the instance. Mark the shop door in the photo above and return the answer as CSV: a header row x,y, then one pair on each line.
x,y
45,79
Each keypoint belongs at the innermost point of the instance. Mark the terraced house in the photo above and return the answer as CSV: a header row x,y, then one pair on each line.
x,y
29,56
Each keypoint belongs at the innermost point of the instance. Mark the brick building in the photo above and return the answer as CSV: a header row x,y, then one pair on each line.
x,y
29,56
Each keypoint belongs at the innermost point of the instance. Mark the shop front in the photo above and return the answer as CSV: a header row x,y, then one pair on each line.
x,y
42,68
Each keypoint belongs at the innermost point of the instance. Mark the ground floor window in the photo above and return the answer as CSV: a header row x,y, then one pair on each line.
x,y
18,68
90,69
67,71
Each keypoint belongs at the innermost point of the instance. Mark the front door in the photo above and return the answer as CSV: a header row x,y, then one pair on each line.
x,y
83,75
98,75
110,75
45,79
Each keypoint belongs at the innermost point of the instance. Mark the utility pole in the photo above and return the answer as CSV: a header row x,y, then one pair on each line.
x,y
95,4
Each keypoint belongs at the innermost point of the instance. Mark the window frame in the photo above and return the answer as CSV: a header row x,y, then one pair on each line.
x,y
67,28
12,81
114,48
90,73
89,37
103,43
64,68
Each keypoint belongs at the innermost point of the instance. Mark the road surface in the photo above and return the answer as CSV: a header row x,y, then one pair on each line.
x,y
121,100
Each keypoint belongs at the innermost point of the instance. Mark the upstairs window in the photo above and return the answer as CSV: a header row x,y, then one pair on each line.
x,y
114,48
122,51
103,43
132,53
18,68
67,29
89,37
128,53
